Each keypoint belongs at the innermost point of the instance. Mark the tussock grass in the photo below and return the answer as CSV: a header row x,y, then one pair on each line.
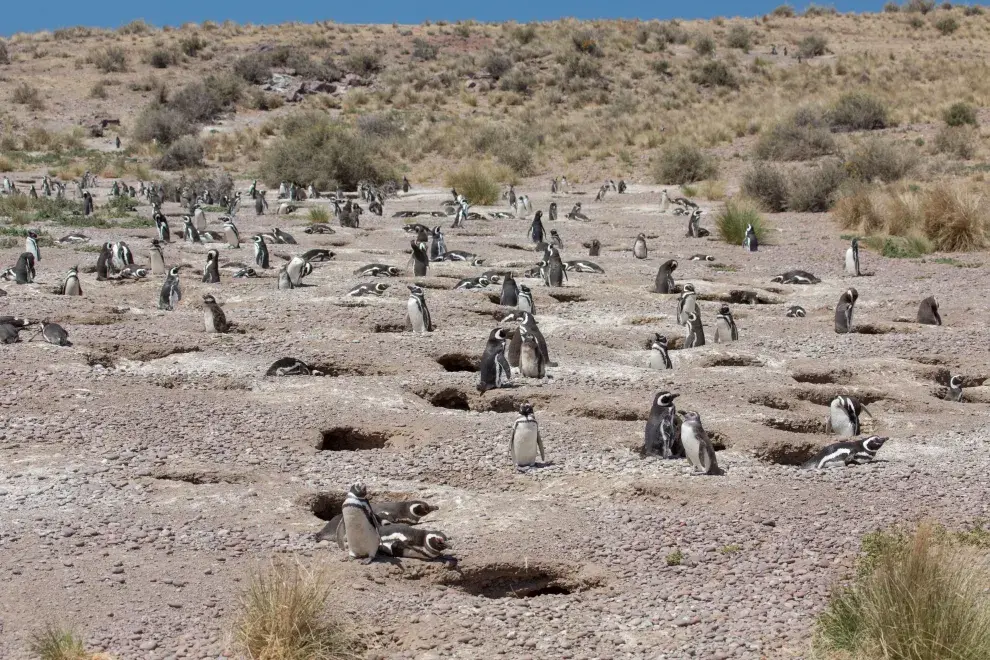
x,y
284,617
319,214
916,597
477,183
859,111
109,59
954,220
56,643
956,141
731,222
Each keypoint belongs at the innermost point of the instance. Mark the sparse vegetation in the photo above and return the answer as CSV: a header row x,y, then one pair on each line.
x,y
767,186
813,45
704,45
715,73
732,220
54,642
424,50
783,11
161,57
960,114
815,190
319,214
859,111
957,141
675,558
363,63
4,55
183,153
476,182
881,160
739,37
919,6
803,136
109,59
946,24
25,94
683,163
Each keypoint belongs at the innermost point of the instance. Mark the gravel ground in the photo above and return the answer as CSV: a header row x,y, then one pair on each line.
x,y
146,471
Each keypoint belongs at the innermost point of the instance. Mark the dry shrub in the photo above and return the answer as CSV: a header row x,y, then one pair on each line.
x,y
803,136
161,57
815,190
255,68
767,186
704,45
878,159
109,59
715,73
946,25
860,210
424,50
960,114
955,221
162,124
56,643
192,44
586,42
783,11
363,63
478,184
284,617
25,94
4,55
683,163
496,64
920,6
813,45
957,141
739,37
858,111
183,153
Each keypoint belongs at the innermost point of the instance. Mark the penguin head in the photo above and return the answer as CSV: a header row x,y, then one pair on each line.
x,y
956,382
596,243
499,334
186,219
524,289
778,279
415,290
874,443
724,310
258,239
209,300
33,235
691,416
641,237
660,340
688,288
437,541
553,232
665,399
493,279
483,281
212,255
851,295
749,229
420,508
381,288
359,490
855,243
526,410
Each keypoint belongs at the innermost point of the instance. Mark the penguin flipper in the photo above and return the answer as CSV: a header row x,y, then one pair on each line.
x,y
539,443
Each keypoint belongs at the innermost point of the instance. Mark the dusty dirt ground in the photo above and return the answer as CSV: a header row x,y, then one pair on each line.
x,y
148,469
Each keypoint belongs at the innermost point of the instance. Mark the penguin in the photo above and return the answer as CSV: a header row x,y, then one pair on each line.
x,y
297,268
687,303
536,231
438,246
243,272
664,202
361,525
851,452
103,262
214,318
796,311
368,289
319,228
843,416
374,270
462,255
87,203
259,204
55,334
928,312
594,248
231,235
583,266
284,282
695,332
695,230
171,293
495,370
9,334
555,239
420,257
405,185
514,349
663,428
702,257
555,268
31,245
796,277
418,314
189,230
211,274
698,449
73,238
844,311
552,214
576,213
24,269
639,247
283,237
70,285
157,258
532,363
955,391
122,256
161,224
134,273
725,326
472,283
260,251
525,300
408,512
526,440
659,355
665,278
750,242
852,258
291,367
199,218
510,292
412,543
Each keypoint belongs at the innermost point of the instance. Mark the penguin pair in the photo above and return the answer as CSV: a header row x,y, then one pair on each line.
x,y
438,247
594,247
528,330
376,270
695,230
406,512
24,269
420,258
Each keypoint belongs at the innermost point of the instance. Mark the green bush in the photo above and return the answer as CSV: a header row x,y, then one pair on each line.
x,y
109,59
704,45
424,50
739,37
959,114
957,141
813,45
496,64
476,183
315,149
946,25
802,136
881,160
858,111
715,73
731,223
767,186
183,153
816,190
683,163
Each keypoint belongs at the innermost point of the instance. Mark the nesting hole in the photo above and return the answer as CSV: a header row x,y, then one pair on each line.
x,y
825,397
389,327
457,362
870,329
734,361
838,376
515,581
771,401
450,398
514,246
790,454
795,425
198,477
568,297
738,297
718,440
609,413
348,438
502,403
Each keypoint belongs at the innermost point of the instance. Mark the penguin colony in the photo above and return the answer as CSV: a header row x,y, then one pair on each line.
x,y
515,348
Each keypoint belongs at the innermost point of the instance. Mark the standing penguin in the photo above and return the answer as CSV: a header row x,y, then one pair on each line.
x,y
552,214
87,203
594,248
659,355
536,232
417,312
70,285
438,247
928,312
157,258
750,242
663,428
199,218
555,268
31,245
297,268
514,349
260,251
555,239
955,391
211,274
259,204
103,262
189,230
526,440
697,447
161,224
420,257
687,303
852,258
531,360
664,201
844,311
525,300
639,247
725,326
284,282
170,294
510,292
24,269
695,331
405,185
495,370
214,318
843,416
665,277
361,525
230,234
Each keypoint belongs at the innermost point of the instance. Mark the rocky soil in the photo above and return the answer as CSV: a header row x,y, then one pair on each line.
x,y
147,470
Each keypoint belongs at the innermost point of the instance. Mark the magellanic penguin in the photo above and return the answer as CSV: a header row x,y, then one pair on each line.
x,y
796,277
510,292
495,370
664,201
514,348
283,237
171,293
525,300
260,251
583,266
54,334
24,269
213,316
796,311
368,289
687,303
852,258
420,258
665,277
199,218
928,312
955,391
211,274
408,512
532,363
526,440
851,452
361,525
555,239
725,326
553,211
698,448
189,230
31,245
161,224
555,267
103,262
843,416
750,242
536,232
694,330
639,247
695,230
438,245
594,248
70,285
844,311
231,235
663,428
157,258
417,311
284,282
659,354
411,542
297,268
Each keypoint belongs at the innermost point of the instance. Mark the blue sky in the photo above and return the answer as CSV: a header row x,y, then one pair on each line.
x,y
19,16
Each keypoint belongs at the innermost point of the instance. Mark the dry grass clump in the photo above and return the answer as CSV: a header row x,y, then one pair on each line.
x,y
815,190
715,73
109,59
55,643
946,24
960,114
732,220
739,37
25,94
683,163
881,160
183,153
4,55
918,597
920,6
767,186
161,57
859,111
955,221
813,45
284,617
319,215
957,141
478,184
803,136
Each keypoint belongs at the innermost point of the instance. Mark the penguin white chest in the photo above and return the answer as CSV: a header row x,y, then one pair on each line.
x,y
415,316
656,360
851,262
524,445
72,287
841,424
209,321
525,304
531,361
199,220
692,446
362,536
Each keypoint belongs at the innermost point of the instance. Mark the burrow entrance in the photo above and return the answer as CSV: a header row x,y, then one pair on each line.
x,y
458,362
327,504
825,397
771,401
837,376
870,329
511,581
389,327
610,413
795,425
348,438
568,297
739,297
198,477
790,454
449,397
733,361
